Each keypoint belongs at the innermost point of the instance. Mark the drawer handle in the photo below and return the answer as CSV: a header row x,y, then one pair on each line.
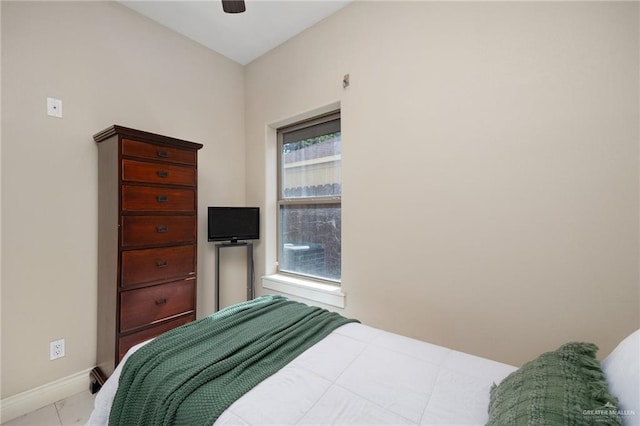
x,y
162,263
161,301
162,229
162,198
163,154
162,173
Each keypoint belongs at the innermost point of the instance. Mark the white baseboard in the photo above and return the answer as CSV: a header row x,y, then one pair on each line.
x,y
33,399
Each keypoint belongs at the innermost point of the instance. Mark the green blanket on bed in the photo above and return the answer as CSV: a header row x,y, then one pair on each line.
x,y
190,375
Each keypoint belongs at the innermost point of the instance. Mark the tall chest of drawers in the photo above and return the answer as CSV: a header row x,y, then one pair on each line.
x,y
147,239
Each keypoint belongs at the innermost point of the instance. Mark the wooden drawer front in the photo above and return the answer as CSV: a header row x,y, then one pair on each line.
x,y
158,152
144,266
149,305
139,171
145,230
126,342
144,198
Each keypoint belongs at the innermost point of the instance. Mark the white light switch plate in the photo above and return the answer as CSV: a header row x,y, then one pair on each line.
x,y
54,107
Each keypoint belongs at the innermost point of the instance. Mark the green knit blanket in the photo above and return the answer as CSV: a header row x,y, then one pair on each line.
x,y
190,375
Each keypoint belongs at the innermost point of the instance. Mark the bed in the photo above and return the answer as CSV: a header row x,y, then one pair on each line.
x,y
359,375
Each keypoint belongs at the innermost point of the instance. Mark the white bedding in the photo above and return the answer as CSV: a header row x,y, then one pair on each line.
x,y
360,375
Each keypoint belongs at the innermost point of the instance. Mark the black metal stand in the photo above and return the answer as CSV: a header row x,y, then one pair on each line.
x,y
249,246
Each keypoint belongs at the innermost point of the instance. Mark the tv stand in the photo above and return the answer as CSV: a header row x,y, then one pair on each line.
x,y
249,246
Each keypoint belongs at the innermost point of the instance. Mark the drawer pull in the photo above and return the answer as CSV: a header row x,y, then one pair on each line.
x,y
162,263
161,301
163,154
161,229
162,173
162,198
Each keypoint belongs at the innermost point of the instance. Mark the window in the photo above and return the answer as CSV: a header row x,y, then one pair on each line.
x,y
309,200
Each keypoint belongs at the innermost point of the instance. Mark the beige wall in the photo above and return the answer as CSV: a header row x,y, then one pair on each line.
x,y
109,66
510,130
506,219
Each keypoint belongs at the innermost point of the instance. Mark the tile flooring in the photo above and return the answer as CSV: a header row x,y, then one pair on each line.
x,y
74,410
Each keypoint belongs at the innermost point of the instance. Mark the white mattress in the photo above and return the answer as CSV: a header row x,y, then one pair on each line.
x,y
360,375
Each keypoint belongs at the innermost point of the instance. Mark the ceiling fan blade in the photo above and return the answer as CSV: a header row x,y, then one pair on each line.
x,y
233,6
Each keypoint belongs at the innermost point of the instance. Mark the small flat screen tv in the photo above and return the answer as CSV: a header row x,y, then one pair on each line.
x,y
233,224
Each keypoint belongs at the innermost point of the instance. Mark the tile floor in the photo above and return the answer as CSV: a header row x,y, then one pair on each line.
x,y
74,410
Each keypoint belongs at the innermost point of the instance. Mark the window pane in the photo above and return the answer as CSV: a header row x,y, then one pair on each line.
x,y
311,167
310,240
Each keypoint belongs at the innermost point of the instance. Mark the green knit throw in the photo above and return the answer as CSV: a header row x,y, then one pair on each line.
x,y
563,387
190,375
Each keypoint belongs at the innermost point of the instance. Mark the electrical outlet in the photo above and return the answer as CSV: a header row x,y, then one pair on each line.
x,y
56,349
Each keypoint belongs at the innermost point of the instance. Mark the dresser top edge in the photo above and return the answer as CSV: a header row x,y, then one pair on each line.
x,y
144,137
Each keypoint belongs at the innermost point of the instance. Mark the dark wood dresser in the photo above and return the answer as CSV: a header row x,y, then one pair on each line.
x,y
147,239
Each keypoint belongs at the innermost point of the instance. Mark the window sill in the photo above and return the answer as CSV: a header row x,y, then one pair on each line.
x,y
312,290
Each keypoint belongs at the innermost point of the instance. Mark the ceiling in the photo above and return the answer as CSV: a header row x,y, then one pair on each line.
x,y
244,36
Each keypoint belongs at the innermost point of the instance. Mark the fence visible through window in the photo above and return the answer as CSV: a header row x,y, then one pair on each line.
x,y
310,224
